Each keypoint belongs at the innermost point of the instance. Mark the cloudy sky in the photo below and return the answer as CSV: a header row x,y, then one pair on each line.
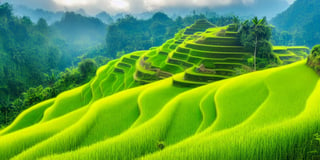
x,y
115,6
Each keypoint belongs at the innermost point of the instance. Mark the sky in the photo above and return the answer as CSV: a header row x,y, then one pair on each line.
x,y
135,6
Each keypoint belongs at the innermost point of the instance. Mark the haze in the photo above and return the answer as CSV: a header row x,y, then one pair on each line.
x,y
138,6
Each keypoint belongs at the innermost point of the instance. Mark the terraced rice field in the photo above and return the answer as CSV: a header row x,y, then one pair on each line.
x,y
147,105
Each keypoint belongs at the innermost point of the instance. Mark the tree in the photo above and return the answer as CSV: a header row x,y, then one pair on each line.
x,y
5,10
236,21
256,23
87,68
314,59
42,26
255,36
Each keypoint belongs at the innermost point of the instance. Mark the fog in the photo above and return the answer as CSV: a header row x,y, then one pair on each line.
x,y
138,6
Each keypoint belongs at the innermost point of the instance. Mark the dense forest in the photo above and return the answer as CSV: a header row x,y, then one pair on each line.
x,y
26,54
35,54
299,24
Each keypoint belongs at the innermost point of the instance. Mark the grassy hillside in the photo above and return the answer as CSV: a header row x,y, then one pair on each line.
x,y
270,114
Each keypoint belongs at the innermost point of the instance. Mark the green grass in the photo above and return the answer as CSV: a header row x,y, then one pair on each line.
x,y
287,55
28,117
243,113
250,113
267,114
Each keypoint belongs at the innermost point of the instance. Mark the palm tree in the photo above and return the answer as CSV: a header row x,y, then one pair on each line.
x,y
236,21
256,22
244,26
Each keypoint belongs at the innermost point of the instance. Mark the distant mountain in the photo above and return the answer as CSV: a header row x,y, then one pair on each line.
x,y
259,8
301,18
80,30
297,15
105,17
36,14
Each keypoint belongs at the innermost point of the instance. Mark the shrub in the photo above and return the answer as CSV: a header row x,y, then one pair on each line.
x,y
87,68
314,59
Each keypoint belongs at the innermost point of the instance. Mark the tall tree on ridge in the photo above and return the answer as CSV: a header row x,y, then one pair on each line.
x,y
256,23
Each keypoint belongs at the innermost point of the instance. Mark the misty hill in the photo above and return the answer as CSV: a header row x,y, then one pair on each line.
x,y
260,8
105,17
302,19
80,30
300,13
36,14
25,54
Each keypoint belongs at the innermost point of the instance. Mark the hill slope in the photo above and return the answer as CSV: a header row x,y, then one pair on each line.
x,y
297,15
270,110
302,20
269,114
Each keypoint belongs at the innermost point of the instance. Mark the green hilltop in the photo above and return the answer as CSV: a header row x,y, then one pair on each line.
x,y
147,105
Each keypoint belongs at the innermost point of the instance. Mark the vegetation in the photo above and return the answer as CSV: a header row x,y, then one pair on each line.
x,y
70,78
187,98
299,24
115,113
26,54
130,34
255,36
158,111
314,59
32,53
88,32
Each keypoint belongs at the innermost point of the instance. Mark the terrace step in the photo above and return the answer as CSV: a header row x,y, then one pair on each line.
x,y
223,41
215,48
179,55
232,34
199,26
178,80
183,50
134,57
179,62
118,70
203,77
123,65
213,54
129,60
224,60
223,65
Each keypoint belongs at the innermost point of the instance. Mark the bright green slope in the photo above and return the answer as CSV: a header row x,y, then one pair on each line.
x,y
267,114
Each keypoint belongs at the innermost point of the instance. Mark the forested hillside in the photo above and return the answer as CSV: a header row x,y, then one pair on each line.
x,y
80,31
26,54
301,20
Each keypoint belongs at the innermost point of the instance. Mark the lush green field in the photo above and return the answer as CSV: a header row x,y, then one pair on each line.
x,y
269,114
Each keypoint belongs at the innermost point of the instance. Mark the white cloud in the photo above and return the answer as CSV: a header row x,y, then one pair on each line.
x,y
290,1
72,3
120,4
143,5
247,2
152,4
115,6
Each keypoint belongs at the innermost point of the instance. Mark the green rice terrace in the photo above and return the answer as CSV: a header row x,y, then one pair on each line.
x,y
186,99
